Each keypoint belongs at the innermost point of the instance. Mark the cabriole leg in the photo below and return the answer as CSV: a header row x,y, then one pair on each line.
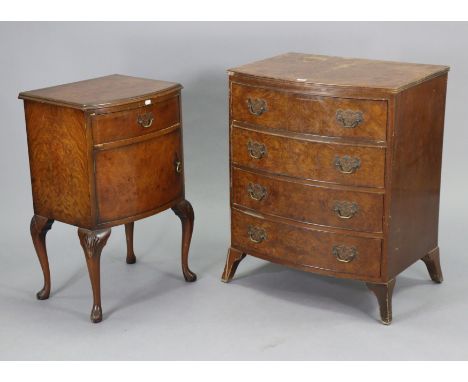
x,y
184,211
131,259
93,242
39,228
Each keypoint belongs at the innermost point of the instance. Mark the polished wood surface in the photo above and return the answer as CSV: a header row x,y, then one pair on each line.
x,y
101,92
308,159
326,150
105,152
136,122
341,71
129,229
135,178
307,202
59,163
416,174
303,247
309,114
93,242
39,227
184,211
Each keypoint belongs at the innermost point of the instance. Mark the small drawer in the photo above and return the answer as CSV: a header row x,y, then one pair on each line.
x,y
327,162
140,177
361,211
135,122
306,247
318,115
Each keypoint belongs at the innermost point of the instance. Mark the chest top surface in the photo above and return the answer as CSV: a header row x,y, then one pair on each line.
x,y
340,71
100,92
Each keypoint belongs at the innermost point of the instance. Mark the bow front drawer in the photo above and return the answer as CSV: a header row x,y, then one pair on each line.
x,y
326,116
307,203
300,158
295,246
132,123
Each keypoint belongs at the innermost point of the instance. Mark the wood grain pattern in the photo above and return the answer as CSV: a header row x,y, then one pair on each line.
x,y
111,127
340,71
93,242
287,142
416,174
309,114
307,159
140,177
184,211
101,92
39,227
307,203
102,155
305,247
58,159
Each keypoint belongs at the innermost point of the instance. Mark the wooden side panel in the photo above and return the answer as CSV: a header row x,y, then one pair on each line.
x,y
310,114
415,173
307,159
136,178
58,158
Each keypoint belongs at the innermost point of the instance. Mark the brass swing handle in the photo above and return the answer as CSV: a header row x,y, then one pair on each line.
x,y
347,164
256,234
349,118
345,210
256,150
257,106
178,165
344,254
256,191
145,120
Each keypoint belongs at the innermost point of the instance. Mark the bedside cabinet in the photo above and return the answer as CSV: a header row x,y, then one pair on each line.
x,y
105,152
335,167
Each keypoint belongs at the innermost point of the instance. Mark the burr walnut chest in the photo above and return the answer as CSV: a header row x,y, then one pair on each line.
x,y
105,152
335,167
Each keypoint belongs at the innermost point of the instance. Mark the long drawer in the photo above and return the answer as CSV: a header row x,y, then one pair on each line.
x,y
327,162
288,198
326,116
303,247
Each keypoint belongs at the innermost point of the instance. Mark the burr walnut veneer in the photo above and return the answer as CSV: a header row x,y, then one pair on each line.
x,y
335,167
105,152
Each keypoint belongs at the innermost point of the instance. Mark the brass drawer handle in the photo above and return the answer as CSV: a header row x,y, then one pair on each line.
x,y
345,210
344,254
256,191
256,150
349,118
145,120
178,166
257,235
347,164
257,106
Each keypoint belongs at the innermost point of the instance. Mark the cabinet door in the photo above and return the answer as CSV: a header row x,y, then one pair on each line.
x,y
138,178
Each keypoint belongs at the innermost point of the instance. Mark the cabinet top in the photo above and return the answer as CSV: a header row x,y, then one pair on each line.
x,y
100,92
340,71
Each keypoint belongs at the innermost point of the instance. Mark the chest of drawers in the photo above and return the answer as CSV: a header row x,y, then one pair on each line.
x,y
105,152
335,167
